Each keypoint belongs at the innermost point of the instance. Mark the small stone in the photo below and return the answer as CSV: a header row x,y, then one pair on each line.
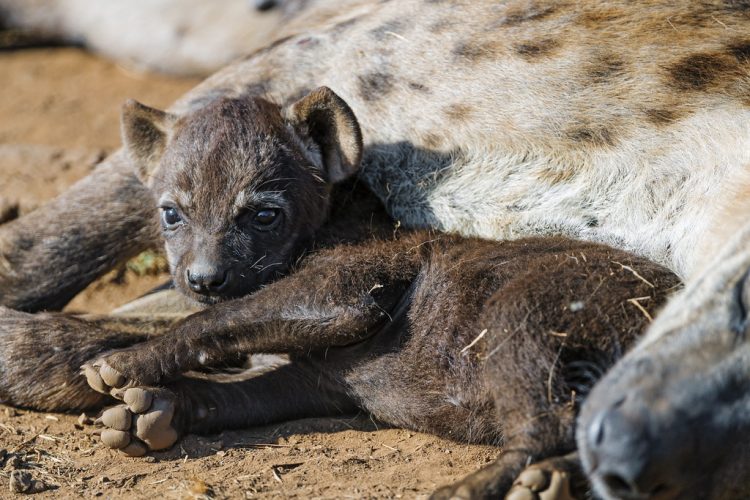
x,y
84,419
20,481
150,460
3,456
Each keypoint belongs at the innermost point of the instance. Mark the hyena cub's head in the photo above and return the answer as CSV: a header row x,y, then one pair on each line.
x,y
241,184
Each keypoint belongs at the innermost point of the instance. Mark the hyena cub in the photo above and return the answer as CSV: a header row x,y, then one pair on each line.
x,y
480,341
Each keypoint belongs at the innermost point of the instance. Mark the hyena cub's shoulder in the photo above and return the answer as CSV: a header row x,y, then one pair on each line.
x,y
242,184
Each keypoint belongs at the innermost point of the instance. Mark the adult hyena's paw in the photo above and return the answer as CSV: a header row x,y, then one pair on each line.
x,y
145,422
542,481
113,373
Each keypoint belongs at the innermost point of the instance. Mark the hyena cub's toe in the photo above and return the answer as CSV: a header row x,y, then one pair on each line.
x,y
115,372
144,423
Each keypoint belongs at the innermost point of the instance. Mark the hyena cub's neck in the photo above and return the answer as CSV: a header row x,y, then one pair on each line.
x,y
245,187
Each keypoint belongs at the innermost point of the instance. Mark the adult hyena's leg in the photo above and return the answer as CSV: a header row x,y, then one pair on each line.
x,y
153,418
50,254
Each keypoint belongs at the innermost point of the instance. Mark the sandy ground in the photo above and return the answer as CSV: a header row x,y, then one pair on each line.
x,y
58,117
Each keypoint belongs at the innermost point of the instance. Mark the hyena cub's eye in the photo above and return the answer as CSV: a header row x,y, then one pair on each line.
x,y
266,217
170,217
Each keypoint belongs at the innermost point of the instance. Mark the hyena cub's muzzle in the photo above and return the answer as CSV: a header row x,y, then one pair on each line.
x,y
207,279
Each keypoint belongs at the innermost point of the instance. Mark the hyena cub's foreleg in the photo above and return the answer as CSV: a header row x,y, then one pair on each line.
x,y
329,302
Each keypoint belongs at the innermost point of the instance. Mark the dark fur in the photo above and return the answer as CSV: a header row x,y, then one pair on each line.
x,y
373,317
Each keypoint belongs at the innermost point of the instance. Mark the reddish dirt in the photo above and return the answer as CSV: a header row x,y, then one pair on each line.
x,y
58,118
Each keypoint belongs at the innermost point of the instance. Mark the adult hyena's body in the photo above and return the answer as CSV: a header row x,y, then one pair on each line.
x,y
609,121
615,122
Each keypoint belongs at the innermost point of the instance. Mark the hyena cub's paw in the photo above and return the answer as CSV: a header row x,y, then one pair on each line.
x,y
542,481
146,422
120,370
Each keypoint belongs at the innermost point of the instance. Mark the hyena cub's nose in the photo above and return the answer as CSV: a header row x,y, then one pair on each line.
x,y
624,458
207,280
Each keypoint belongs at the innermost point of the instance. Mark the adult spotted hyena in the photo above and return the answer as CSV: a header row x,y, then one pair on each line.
x,y
616,122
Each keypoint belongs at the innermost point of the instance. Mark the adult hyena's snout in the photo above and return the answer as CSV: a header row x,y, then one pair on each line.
x,y
626,456
668,427
670,419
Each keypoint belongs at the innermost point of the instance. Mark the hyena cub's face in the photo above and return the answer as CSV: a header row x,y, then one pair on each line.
x,y
241,185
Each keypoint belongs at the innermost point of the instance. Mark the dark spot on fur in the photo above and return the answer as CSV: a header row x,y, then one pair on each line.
x,y
598,18
597,136
388,29
208,97
440,26
268,48
24,243
533,14
344,25
661,116
474,51
307,42
556,174
740,51
699,71
606,67
432,141
592,221
458,112
375,85
533,50
418,87
258,88
296,95
738,5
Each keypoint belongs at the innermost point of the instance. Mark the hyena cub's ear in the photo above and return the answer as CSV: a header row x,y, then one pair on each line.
x,y
144,134
324,118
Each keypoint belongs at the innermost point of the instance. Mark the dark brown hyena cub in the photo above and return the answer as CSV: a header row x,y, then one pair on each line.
x,y
480,341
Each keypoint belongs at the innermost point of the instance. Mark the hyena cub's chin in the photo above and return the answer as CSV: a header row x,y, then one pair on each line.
x,y
241,185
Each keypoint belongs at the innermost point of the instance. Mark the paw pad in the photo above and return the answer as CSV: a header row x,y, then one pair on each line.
x,y
144,423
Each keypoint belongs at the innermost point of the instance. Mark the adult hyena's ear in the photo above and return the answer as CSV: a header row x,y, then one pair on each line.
x,y
324,118
145,132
